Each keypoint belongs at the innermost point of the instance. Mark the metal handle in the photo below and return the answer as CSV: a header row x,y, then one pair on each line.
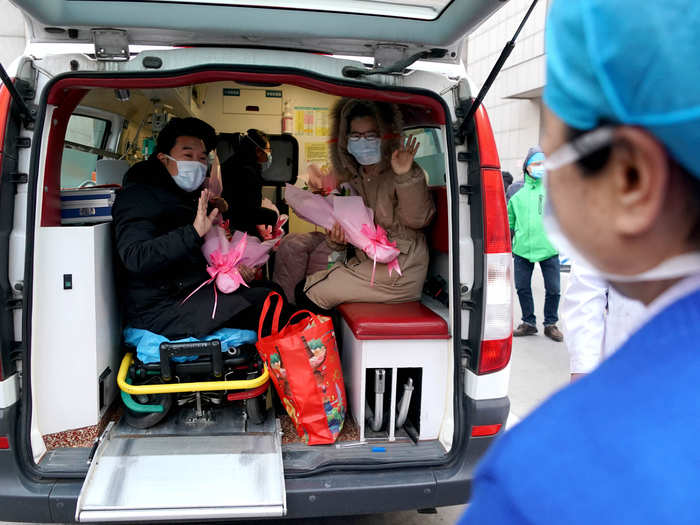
x,y
197,348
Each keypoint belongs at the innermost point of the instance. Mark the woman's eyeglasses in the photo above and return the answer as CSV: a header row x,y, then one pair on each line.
x,y
368,135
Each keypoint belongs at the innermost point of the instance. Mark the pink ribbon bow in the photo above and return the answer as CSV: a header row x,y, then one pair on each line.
x,y
223,268
378,239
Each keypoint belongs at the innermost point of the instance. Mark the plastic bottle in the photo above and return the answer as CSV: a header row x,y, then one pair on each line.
x,y
287,119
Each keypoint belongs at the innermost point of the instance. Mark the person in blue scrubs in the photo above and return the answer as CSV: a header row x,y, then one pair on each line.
x,y
622,140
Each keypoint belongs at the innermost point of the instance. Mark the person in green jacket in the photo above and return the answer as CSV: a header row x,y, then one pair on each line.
x,y
530,246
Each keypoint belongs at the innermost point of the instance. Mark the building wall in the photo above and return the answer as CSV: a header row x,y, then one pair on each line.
x,y
12,40
514,101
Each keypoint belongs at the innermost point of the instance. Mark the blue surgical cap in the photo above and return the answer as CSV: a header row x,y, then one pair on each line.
x,y
534,150
537,157
629,62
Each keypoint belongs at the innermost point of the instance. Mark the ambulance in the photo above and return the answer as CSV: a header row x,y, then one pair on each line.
x,y
97,82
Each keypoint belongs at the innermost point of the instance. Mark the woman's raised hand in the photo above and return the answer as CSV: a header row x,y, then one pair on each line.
x,y
203,221
402,158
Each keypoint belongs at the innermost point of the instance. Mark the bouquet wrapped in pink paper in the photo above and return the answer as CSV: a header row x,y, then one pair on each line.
x,y
255,252
223,259
356,219
225,255
311,207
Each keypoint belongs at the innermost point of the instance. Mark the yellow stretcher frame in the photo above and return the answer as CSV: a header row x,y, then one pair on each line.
x,y
172,388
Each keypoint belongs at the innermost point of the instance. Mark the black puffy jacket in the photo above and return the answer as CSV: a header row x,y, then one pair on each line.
x,y
161,259
242,190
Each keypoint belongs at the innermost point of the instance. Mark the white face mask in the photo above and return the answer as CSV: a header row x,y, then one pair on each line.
x,y
673,268
263,165
537,172
366,151
266,165
190,174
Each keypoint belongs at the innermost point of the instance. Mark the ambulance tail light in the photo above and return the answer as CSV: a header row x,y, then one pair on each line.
x,y
5,101
497,336
486,430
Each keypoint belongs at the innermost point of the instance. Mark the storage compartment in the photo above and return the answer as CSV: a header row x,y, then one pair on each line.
x,y
242,101
87,205
368,346
75,354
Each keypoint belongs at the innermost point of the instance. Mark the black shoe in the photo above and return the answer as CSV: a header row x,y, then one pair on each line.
x,y
524,329
553,333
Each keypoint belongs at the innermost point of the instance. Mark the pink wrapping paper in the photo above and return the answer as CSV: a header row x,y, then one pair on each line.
x,y
223,262
311,207
225,256
356,219
255,253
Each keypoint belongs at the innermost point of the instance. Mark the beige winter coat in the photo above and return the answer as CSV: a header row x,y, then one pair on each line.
x,y
402,206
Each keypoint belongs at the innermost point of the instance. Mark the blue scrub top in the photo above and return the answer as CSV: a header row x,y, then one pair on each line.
x,y
620,446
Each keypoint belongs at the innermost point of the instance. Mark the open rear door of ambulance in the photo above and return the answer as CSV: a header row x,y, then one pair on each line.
x,y
399,28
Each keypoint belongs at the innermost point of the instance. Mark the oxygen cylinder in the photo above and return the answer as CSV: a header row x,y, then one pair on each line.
x,y
287,119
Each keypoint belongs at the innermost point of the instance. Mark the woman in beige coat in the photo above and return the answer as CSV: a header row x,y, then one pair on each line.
x,y
369,152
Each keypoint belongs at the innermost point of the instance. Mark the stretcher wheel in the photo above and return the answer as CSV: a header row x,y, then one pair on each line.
x,y
255,407
148,419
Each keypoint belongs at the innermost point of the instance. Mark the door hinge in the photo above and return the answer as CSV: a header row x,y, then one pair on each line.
x,y
18,178
468,190
464,156
465,355
392,59
14,303
468,305
111,44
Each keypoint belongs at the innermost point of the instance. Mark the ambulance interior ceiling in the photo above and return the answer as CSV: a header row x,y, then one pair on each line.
x,y
232,106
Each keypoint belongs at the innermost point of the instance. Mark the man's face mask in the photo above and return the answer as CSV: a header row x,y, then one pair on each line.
x,y
190,174
673,268
537,172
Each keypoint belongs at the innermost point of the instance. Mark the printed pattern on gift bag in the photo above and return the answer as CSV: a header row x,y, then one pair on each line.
x,y
305,367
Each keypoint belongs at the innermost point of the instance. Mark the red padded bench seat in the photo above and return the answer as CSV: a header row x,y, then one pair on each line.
x,y
411,320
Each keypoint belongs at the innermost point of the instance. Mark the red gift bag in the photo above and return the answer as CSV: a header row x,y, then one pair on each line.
x,y
305,368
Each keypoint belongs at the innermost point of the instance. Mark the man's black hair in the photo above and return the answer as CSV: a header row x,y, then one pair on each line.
x,y
184,127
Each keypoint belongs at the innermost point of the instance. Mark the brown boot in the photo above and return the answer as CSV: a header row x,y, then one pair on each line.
x,y
553,333
524,329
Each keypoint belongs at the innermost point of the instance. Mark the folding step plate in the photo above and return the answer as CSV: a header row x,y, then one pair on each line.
x,y
150,476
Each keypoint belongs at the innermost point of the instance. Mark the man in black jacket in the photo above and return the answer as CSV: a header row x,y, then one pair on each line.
x,y
160,220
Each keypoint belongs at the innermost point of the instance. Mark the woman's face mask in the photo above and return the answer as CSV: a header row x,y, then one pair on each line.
x,y
190,174
367,151
672,268
364,141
